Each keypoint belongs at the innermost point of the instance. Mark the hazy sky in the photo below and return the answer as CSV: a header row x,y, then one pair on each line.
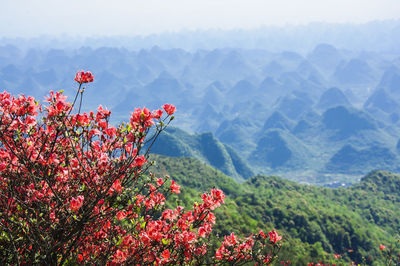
x,y
127,17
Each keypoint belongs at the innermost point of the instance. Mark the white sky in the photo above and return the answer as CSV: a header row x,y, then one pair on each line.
x,y
29,18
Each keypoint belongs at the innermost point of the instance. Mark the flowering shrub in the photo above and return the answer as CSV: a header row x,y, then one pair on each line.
x,y
76,189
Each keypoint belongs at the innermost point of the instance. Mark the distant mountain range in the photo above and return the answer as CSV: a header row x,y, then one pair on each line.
x,y
324,112
378,36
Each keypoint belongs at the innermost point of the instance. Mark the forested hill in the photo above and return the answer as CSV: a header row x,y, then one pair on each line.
x,y
317,222
205,147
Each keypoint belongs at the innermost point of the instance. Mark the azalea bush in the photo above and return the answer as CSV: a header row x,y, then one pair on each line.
x,y
75,189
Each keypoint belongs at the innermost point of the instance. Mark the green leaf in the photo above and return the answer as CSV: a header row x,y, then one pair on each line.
x,y
143,225
166,241
119,241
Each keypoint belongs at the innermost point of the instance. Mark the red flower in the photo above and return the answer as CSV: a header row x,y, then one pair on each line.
x,y
140,160
169,108
160,182
165,254
230,240
53,215
121,215
76,203
142,116
120,256
116,186
337,256
175,187
381,247
274,237
157,114
84,77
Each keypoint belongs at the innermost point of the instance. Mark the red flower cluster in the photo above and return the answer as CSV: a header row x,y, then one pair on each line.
x,y
84,77
274,237
169,108
234,249
57,104
175,187
76,203
74,188
142,118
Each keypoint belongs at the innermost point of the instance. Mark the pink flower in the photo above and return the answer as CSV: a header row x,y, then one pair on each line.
x,y
84,77
274,237
169,108
76,203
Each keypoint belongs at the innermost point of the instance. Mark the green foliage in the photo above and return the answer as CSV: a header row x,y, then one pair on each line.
x,y
204,147
357,159
317,222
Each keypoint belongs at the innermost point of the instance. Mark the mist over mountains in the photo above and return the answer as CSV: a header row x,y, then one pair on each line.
x,y
297,106
379,35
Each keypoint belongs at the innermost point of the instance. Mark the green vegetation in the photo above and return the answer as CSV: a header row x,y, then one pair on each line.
x,y
204,147
317,222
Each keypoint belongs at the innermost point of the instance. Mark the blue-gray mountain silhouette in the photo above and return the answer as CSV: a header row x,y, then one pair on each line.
x,y
331,98
382,101
346,122
352,159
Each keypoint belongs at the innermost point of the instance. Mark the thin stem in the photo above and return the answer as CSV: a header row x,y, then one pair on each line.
x,y
76,96
80,101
